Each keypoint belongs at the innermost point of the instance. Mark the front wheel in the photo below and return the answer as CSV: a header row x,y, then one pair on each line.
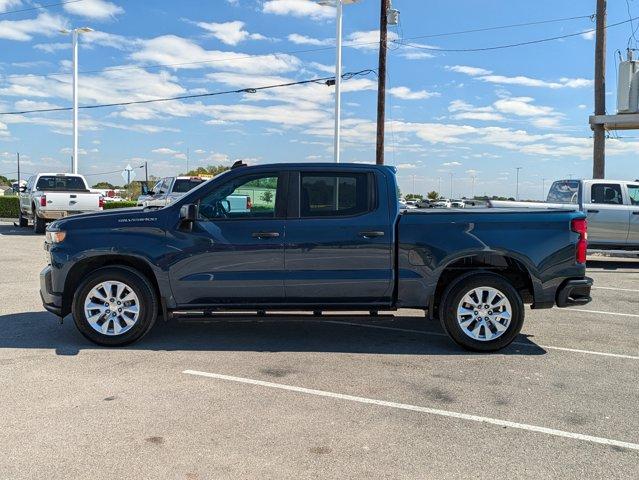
x,y
115,306
482,312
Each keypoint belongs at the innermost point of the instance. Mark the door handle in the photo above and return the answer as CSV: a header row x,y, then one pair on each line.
x,y
592,211
264,235
372,234
635,213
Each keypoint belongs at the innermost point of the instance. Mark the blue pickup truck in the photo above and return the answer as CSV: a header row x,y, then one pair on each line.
x,y
318,237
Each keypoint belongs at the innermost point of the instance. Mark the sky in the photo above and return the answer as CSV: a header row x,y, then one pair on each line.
x,y
450,114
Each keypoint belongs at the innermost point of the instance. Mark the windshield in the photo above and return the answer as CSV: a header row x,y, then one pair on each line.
x,y
61,184
564,191
183,185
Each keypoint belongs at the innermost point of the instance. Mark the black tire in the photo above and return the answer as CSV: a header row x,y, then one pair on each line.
x,y
148,307
455,293
22,220
39,224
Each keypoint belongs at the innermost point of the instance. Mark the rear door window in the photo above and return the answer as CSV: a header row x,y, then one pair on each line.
x,y
633,193
607,194
334,194
183,185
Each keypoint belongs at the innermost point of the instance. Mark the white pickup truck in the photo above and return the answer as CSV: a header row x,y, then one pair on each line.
x,y
612,207
49,196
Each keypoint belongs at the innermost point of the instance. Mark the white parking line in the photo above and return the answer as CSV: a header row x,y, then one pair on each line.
x,y
416,408
601,312
617,289
521,344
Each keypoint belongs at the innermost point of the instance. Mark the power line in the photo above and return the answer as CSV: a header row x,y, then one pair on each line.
x,y
108,173
325,80
41,7
307,50
510,45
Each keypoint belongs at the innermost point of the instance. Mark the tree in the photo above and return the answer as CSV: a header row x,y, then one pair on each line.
x,y
4,180
105,185
432,195
414,196
267,196
210,170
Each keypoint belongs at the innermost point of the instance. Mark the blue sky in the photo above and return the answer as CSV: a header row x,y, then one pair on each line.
x,y
467,113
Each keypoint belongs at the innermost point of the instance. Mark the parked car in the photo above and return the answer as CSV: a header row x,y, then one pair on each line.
x,y
49,196
457,204
328,238
166,190
424,203
612,207
442,203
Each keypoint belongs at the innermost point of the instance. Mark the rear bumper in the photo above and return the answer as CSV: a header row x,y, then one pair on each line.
x,y
574,292
51,301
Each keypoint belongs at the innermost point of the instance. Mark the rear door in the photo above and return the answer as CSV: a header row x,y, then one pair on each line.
x,y
233,257
633,199
607,215
338,238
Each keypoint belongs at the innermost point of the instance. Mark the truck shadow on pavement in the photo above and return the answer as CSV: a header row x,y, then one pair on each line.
x,y
614,265
272,333
10,230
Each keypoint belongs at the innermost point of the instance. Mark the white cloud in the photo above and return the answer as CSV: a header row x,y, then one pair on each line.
x,y
230,33
451,164
165,151
473,71
96,9
406,166
367,40
521,80
24,30
172,49
7,4
52,47
305,40
588,34
406,93
299,8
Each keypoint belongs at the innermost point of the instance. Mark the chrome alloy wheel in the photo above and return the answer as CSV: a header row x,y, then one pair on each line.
x,y
484,313
112,308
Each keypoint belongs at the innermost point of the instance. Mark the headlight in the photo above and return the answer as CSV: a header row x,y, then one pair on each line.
x,y
56,237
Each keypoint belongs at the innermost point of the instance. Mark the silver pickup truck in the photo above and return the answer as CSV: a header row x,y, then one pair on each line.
x,y
612,207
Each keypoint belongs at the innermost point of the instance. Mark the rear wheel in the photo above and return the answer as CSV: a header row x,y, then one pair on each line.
x,y
115,306
39,224
482,312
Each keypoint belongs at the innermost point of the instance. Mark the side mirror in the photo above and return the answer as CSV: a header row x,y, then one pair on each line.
x,y
22,189
188,213
144,188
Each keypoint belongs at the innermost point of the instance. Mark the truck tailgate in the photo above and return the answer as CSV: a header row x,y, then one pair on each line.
x,y
72,201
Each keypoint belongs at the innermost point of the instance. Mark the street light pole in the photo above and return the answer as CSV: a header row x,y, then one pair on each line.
x,y
338,80
451,185
517,192
74,43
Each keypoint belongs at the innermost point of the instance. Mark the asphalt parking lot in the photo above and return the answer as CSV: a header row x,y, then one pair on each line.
x,y
295,396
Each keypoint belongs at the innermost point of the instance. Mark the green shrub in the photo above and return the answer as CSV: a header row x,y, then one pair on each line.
x,y
110,205
9,207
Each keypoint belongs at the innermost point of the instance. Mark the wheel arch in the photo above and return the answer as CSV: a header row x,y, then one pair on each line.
x,y
512,269
83,267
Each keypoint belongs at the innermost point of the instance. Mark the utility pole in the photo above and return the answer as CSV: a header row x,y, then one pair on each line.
x,y
146,172
18,154
473,189
543,188
413,184
187,160
381,81
599,133
439,186
517,192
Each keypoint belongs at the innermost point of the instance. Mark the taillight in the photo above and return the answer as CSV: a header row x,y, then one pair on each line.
x,y
43,201
580,226
101,202
249,203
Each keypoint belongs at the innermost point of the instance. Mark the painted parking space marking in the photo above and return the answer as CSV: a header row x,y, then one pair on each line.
x,y
520,344
616,289
420,409
601,312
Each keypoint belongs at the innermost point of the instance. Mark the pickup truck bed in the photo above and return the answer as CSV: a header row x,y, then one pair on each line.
x,y
322,238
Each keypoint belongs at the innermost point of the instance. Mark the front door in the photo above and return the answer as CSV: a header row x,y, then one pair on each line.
x,y
339,239
633,231
234,254
607,215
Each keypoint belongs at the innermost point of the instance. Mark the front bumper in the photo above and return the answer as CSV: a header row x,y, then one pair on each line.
x,y
51,301
573,292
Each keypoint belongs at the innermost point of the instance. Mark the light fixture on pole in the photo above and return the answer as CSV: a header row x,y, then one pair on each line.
x,y
74,36
338,4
